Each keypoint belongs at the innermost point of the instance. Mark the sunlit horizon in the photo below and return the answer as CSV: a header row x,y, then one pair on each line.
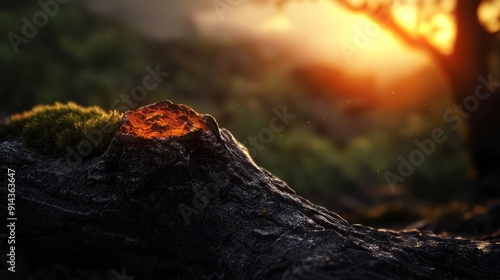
x,y
325,32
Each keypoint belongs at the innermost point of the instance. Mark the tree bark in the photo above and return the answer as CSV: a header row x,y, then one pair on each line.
x,y
195,206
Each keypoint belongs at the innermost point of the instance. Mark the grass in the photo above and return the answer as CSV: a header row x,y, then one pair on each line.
x,y
51,129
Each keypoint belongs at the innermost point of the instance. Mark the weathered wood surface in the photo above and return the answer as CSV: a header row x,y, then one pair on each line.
x,y
196,207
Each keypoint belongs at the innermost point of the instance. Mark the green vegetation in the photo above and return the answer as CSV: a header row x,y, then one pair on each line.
x,y
77,56
52,128
335,147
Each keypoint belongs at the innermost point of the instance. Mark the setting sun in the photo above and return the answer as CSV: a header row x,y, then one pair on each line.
x,y
326,33
329,33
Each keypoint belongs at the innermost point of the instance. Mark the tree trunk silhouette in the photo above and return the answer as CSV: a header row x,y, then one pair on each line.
x,y
466,68
192,205
475,90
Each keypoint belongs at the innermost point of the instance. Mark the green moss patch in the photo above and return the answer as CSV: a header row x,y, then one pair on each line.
x,y
53,129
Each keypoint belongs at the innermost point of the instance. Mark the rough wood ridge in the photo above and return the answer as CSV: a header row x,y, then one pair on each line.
x,y
175,196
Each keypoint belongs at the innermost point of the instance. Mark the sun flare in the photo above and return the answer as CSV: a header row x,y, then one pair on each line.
x,y
437,27
325,33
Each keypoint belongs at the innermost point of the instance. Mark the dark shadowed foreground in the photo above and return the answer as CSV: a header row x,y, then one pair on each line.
x,y
175,196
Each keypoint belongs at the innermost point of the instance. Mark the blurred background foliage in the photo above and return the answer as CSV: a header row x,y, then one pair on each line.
x,y
335,152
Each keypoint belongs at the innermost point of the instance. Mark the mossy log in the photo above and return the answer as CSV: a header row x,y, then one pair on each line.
x,y
176,197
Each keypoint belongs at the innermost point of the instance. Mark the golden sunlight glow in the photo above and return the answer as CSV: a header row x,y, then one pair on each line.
x,y
444,35
336,35
438,27
326,35
489,14
332,35
407,17
278,23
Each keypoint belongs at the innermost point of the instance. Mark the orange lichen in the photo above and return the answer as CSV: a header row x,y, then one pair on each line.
x,y
162,120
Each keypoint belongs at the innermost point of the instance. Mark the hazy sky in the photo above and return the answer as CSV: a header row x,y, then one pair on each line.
x,y
325,31
158,18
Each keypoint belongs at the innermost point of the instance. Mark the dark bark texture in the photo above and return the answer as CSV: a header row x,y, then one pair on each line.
x,y
197,207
